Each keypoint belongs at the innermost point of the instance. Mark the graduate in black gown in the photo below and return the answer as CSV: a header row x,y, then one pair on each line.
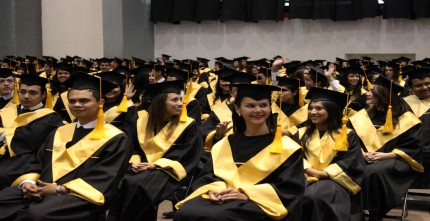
x,y
23,130
59,91
78,165
390,136
290,107
351,79
7,84
253,174
333,162
419,102
167,149
119,109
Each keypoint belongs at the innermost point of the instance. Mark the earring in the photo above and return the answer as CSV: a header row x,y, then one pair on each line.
x,y
240,115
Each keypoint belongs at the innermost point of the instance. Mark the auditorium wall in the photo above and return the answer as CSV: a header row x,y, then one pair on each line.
x,y
295,39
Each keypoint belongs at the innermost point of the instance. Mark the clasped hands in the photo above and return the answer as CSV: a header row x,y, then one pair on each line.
x,y
136,167
373,157
39,190
226,195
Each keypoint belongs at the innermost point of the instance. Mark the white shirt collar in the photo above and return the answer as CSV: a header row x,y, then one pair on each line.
x,y
161,80
37,106
89,125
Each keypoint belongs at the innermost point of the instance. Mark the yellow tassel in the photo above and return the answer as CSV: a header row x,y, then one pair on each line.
x,y
48,100
267,80
301,100
341,143
388,127
15,98
369,85
184,115
99,132
122,107
276,146
400,77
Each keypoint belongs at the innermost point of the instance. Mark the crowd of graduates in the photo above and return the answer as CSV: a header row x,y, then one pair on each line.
x,y
262,139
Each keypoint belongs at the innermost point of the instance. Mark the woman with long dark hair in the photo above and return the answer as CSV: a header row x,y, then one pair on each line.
x,y
352,81
390,134
333,162
255,173
167,148
119,110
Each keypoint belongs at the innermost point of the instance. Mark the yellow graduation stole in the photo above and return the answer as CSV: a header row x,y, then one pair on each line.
x,y
373,138
11,121
66,105
65,160
419,107
159,144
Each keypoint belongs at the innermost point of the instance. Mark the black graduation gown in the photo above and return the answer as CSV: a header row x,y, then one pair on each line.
x,y
287,181
125,121
25,143
337,198
141,193
202,97
100,172
387,181
3,102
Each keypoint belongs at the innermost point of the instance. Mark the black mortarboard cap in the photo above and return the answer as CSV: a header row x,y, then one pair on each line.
x,y
81,81
419,73
373,70
64,66
383,81
259,63
6,72
366,58
165,87
289,82
352,69
113,77
421,64
401,59
321,76
239,78
81,69
29,68
255,91
240,58
178,74
227,70
204,60
223,59
122,70
320,94
104,60
393,65
382,63
32,79
408,68
166,56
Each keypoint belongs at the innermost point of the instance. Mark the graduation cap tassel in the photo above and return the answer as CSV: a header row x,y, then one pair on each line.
x,y
15,99
341,143
185,101
369,85
400,74
301,100
48,101
122,107
98,132
276,146
388,127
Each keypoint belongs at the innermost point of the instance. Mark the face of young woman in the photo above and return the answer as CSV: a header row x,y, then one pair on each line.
x,y
370,99
309,82
317,113
254,112
224,86
62,75
286,95
389,73
113,94
173,105
353,79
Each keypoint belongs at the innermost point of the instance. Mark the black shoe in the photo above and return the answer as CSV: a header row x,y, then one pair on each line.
x,y
169,215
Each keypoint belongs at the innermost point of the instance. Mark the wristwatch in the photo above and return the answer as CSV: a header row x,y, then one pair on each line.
x,y
58,190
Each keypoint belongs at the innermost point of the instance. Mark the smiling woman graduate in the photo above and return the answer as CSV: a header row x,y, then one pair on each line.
x,y
253,174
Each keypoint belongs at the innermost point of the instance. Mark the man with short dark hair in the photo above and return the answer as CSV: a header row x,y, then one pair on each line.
x,y
79,164
7,83
23,129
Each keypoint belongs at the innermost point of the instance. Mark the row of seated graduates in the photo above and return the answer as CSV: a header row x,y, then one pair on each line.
x,y
260,74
